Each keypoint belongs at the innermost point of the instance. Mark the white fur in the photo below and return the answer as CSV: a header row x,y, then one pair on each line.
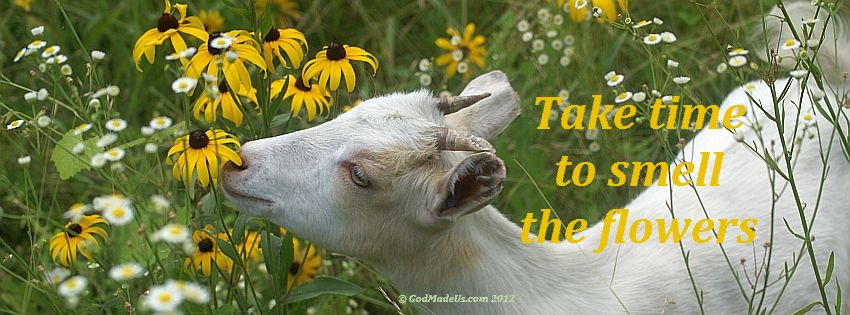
x,y
392,225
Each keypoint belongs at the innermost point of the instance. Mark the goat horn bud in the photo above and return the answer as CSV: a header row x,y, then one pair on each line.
x,y
453,140
452,104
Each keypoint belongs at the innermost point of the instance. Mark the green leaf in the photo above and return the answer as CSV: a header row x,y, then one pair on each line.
x,y
807,308
838,299
323,285
280,120
829,268
287,254
239,228
227,249
225,309
69,164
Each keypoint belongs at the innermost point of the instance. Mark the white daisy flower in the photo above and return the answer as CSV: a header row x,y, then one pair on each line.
x,y
594,146
639,97
738,52
184,84
737,61
172,233
37,44
425,65
672,63
31,96
113,90
163,298
652,39
655,93
56,275
15,124
749,86
610,75
42,94
552,34
811,21
668,37
38,30
790,44
221,42
81,129
98,160
43,121
462,67
522,26
558,19
799,74
185,53
160,202
126,271
73,286
817,93
557,44
457,55
444,94
58,59
151,148
812,43
50,51
808,118
564,95
24,160
565,61
106,140
455,40
119,214
615,79
642,24
681,80
76,212
657,21
722,67
569,39
114,154
78,148
597,12
21,53
147,131
97,55
527,36
666,99
66,70
538,45
569,51
160,123
543,59
543,14
231,55
191,291
623,97
424,79
102,202
116,124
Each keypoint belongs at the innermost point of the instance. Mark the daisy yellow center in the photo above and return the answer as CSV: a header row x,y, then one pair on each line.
x,y
75,228
808,117
115,123
210,48
160,121
71,284
299,83
622,95
336,51
119,212
167,22
165,297
205,245
126,271
790,42
615,78
272,35
198,139
652,37
294,267
175,231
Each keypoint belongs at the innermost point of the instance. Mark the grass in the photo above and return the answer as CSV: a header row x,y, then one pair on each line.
x,y
399,34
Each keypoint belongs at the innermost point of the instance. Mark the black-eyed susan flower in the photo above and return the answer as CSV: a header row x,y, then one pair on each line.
x,y
211,19
334,62
461,48
305,265
24,4
227,52
208,252
168,27
578,8
290,41
200,154
77,236
288,9
209,102
250,246
310,97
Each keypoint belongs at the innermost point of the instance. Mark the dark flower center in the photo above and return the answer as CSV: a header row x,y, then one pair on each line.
x,y
273,35
198,139
210,48
294,267
299,83
206,245
336,51
167,22
76,228
222,87
465,50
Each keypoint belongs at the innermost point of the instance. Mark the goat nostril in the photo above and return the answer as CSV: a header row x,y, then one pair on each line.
x,y
242,167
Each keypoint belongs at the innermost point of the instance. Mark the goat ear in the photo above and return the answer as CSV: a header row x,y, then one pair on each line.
x,y
469,186
488,117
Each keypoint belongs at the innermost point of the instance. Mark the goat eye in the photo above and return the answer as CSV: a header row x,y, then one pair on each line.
x,y
358,176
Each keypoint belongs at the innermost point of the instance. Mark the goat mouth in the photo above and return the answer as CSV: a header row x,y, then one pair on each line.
x,y
238,196
477,180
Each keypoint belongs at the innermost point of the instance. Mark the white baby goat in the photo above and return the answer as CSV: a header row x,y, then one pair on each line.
x,y
393,182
